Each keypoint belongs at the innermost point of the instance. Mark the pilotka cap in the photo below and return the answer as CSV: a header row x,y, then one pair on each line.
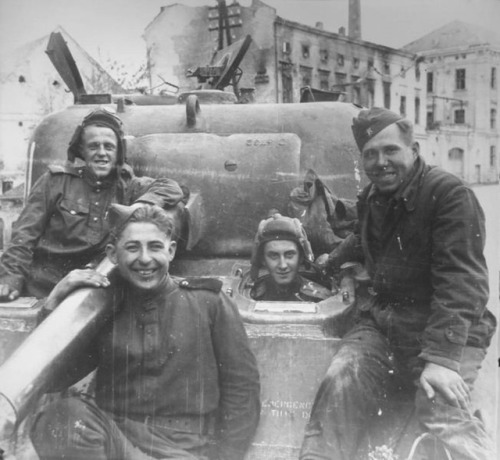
x,y
119,215
370,122
102,116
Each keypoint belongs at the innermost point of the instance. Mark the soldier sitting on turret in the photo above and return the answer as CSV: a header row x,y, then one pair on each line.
x,y
63,225
280,247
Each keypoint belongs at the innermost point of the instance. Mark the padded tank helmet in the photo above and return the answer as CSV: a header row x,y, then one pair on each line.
x,y
279,227
105,117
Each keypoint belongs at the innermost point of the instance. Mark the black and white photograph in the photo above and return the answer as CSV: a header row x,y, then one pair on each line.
x,y
249,229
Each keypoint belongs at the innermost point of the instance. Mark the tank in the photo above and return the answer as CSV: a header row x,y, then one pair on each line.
x,y
238,161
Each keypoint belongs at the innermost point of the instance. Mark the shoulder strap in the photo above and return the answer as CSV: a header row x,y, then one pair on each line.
x,y
210,284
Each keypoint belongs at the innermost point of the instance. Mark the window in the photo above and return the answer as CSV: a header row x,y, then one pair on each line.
x,y
370,63
430,82
387,68
287,48
323,55
370,86
430,120
493,156
417,110
287,87
306,75
460,79
355,63
417,72
324,78
305,51
340,79
493,118
387,94
356,91
402,106
459,116
340,60
493,79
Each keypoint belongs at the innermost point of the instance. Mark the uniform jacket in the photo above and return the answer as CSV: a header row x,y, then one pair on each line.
x,y
181,351
63,224
430,267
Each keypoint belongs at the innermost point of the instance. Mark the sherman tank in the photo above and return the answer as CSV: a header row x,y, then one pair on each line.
x,y
238,162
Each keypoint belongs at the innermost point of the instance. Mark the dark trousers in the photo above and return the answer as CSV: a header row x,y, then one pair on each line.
x,y
77,429
365,373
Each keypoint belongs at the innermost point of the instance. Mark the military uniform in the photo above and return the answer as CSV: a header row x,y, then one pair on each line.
x,y
423,248
63,225
174,372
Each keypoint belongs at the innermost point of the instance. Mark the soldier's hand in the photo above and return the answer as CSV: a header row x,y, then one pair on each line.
x,y
8,292
322,260
74,280
83,278
447,382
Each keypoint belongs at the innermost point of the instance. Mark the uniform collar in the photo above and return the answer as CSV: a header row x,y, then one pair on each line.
x,y
141,298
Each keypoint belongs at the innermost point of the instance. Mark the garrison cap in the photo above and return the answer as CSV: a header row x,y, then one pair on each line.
x,y
275,228
102,116
118,215
370,122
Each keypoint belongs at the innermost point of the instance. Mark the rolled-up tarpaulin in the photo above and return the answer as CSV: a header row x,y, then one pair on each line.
x,y
27,373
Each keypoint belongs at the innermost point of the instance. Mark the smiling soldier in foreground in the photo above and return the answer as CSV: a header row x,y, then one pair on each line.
x,y
175,375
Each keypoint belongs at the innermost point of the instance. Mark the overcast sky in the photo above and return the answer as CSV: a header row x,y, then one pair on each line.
x,y
113,28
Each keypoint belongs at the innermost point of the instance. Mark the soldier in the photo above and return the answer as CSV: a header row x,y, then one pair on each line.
x,y
426,327
281,247
63,225
174,369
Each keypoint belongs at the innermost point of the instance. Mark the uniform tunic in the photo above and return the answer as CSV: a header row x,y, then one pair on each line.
x,y
176,353
423,248
63,224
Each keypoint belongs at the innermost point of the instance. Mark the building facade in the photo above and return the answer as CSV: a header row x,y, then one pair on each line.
x,y
30,88
461,65
284,57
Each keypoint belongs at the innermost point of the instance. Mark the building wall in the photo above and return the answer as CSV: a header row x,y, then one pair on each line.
x,y
30,88
328,61
282,53
183,37
178,39
478,136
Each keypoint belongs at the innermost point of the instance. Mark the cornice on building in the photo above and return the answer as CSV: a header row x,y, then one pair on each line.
x,y
343,38
469,49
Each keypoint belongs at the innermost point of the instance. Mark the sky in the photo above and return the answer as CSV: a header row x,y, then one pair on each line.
x,y
112,29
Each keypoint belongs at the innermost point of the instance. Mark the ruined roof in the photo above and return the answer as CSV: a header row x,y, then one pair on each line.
x,y
456,34
18,61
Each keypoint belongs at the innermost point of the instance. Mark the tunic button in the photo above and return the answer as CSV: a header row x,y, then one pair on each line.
x,y
97,203
97,190
183,283
95,219
73,213
98,182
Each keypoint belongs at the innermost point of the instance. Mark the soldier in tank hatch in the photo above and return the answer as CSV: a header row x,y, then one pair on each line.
x,y
281,248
